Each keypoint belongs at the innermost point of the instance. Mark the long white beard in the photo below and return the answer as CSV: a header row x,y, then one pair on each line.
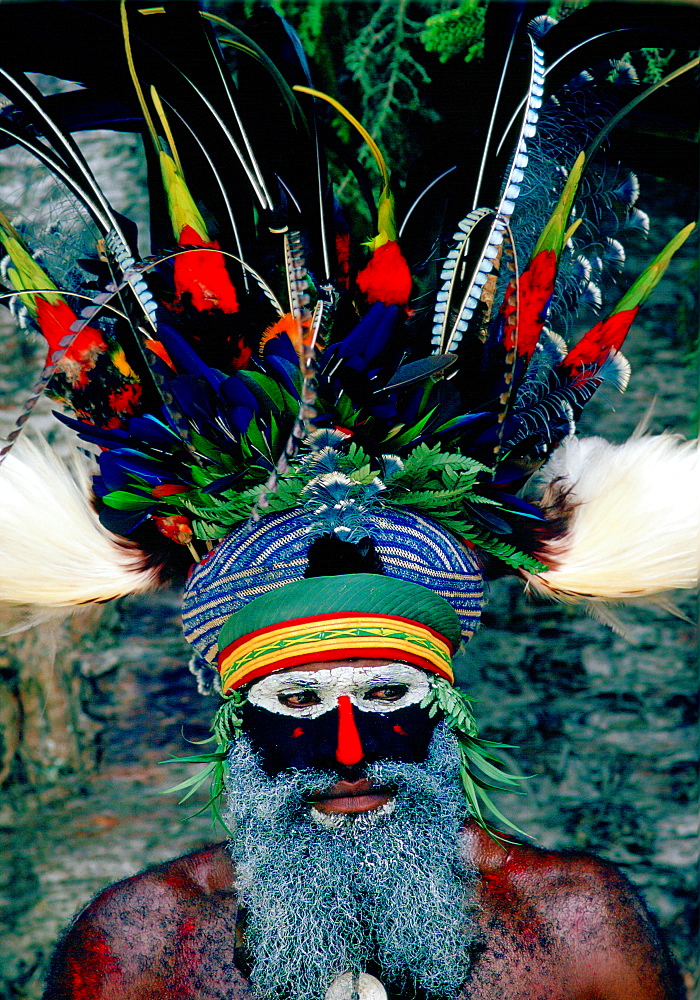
x,y
320,902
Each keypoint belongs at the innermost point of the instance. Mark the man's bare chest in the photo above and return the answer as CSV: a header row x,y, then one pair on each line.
x,y
509,961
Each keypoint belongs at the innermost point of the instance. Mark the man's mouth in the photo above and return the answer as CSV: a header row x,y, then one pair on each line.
x,y
350,797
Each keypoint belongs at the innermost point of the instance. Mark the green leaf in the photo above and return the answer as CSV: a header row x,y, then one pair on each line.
x,y
476,754
194,781
488,802
357,455
208,531
486,786
460,30
365,474
473,795
497,773
227,724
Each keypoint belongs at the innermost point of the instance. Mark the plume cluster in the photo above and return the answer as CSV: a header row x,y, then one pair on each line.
x,y
273,350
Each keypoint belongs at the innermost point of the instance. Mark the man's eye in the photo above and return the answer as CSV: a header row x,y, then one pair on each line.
x,y
299,699
386,692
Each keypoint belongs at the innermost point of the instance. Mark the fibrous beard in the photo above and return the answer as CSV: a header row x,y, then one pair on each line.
x,y
322,901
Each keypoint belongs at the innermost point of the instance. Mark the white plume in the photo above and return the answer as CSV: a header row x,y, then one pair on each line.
x,y
634,530
54,552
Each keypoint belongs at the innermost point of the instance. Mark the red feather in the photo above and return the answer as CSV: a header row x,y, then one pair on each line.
x,y
204,275
342,250
55,320
125,400
176,527
594,348
386,278
536,286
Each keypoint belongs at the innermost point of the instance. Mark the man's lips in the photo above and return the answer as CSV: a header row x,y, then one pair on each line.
x,y
350,797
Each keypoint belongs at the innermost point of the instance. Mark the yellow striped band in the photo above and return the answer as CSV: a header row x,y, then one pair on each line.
x,y
335,636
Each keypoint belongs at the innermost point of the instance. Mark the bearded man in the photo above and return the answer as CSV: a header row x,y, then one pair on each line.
x,y
355,868
339,430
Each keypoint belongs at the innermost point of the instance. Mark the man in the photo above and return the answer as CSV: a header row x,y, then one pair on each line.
x,y
354,860
333,435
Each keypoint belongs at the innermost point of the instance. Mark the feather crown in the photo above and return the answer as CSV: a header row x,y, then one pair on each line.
x,y
259,359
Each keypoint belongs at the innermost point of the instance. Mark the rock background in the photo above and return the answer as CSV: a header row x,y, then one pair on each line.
x,y
606,725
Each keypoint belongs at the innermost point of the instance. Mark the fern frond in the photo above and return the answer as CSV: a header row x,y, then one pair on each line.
x,y
455,706
226,727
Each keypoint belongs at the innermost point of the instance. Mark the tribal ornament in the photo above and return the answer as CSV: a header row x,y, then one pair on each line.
x,y
278,393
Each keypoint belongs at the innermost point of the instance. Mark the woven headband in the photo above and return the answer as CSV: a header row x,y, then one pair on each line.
x,y
270,559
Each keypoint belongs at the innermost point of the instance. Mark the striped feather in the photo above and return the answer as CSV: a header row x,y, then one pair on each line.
x,y
509,194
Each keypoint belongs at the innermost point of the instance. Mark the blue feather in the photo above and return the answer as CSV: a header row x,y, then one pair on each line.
x,y
281,347
368,339
151,430
104,437
185,357
116,466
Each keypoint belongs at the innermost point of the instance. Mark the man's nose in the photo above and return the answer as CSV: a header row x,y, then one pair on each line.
x,y
349,749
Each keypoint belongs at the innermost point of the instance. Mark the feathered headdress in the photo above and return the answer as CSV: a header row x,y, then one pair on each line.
x,y
280,389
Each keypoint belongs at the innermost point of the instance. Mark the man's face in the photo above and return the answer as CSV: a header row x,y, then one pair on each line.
x,y
339,716
361,888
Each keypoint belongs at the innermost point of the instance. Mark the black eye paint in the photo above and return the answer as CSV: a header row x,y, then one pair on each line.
x,y
402,735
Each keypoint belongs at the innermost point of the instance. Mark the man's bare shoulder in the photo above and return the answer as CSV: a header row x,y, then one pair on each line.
x,y
572,916
569,884
204,872
533,871
140,936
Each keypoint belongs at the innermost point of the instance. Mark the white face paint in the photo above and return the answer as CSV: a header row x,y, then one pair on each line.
x,y
306,694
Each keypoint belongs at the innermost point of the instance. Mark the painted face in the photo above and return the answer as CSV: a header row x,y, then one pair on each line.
x,y
340,717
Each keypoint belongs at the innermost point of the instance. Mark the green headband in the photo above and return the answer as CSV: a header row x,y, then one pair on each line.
x,y
337,618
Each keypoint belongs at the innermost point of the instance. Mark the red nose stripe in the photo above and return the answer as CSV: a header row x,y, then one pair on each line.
x,y
349,750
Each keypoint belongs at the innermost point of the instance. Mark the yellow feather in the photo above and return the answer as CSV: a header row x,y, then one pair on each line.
x,y
385,204
160,111
181,206
134,76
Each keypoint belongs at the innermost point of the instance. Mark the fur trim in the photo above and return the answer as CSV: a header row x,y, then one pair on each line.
x,y
54,552
634,520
